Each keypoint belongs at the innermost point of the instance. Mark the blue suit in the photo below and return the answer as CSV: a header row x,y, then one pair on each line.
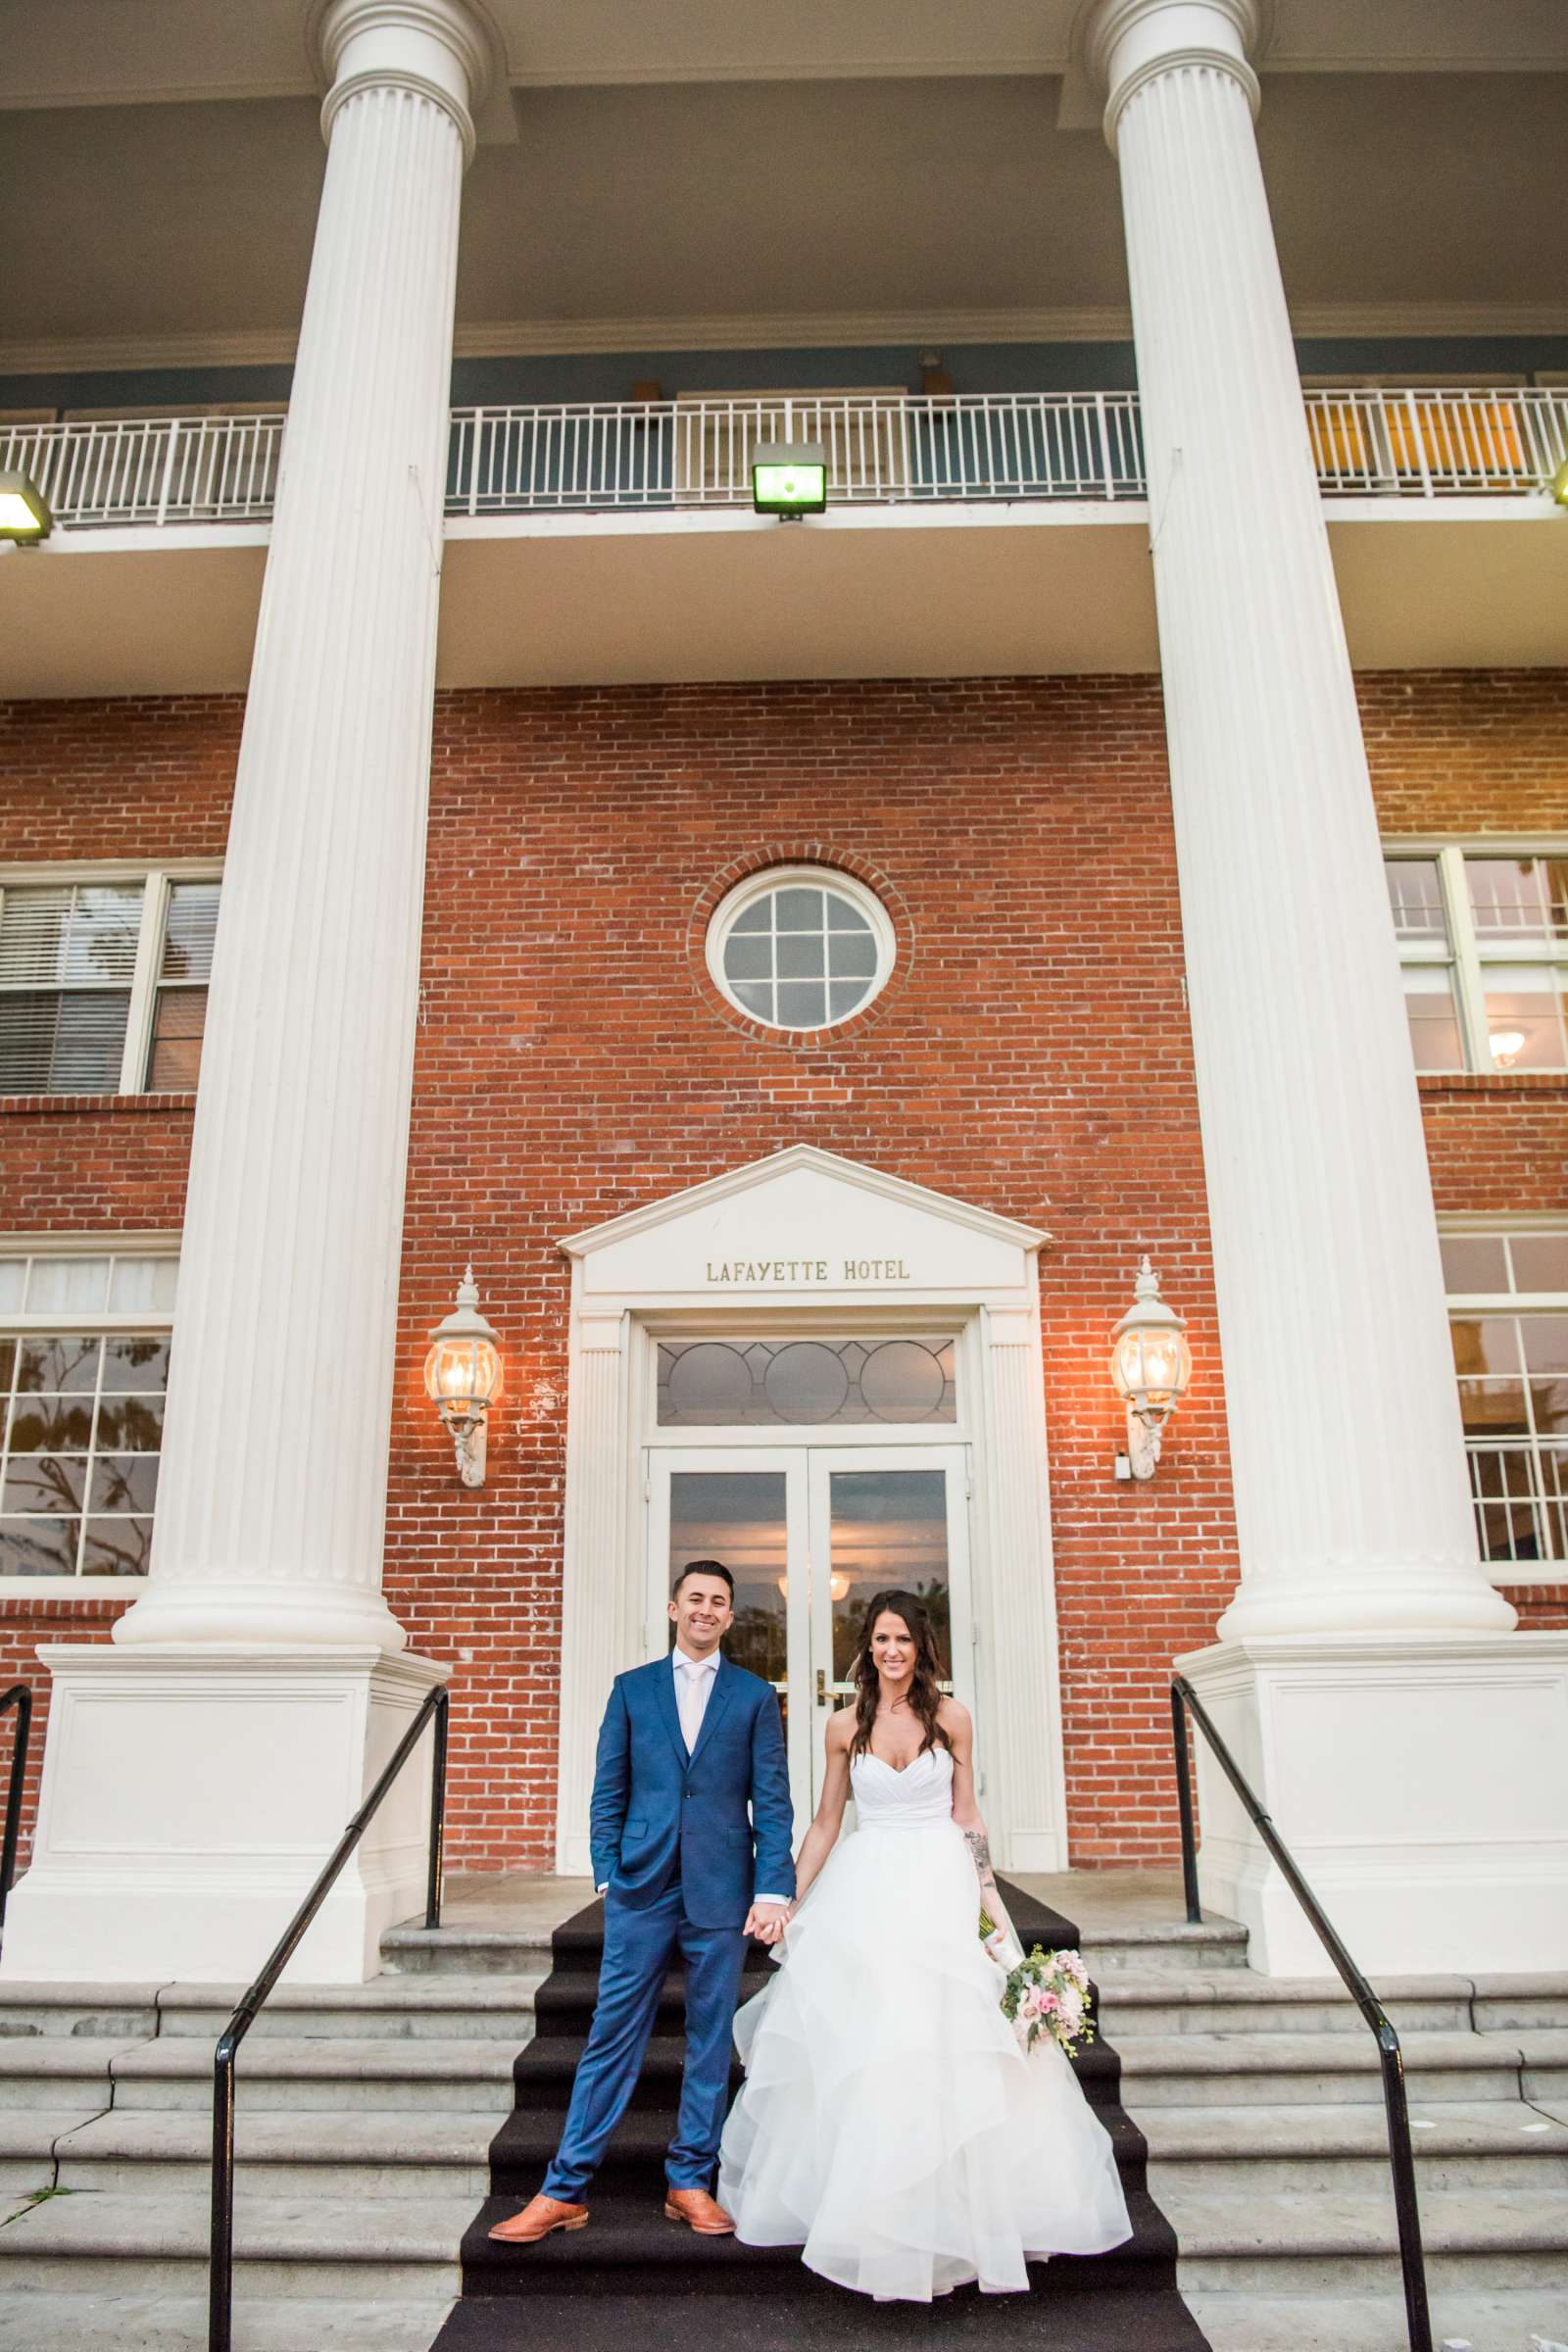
x,y
680,1857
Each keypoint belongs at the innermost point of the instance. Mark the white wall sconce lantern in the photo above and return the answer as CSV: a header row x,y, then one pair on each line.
x,y
789,479
25,515
1151,1364
463,1378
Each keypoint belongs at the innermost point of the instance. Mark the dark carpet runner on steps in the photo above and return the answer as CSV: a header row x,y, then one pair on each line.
x,y
633,2279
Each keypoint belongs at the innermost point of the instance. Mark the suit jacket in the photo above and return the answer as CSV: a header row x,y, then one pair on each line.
x,y
659,1815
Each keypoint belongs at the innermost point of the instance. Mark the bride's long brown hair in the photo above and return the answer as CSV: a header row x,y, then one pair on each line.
x,y
924,1696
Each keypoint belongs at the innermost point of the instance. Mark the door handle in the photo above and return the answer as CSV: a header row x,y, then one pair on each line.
x,y
822,1686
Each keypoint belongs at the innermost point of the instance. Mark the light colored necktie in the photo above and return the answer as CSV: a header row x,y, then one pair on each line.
x,y
692,1693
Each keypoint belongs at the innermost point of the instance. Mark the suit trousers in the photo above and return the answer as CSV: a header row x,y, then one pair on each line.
x,y
639,1946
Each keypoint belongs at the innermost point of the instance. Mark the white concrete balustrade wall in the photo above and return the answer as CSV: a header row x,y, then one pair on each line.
x,y
1357,1544
198,1774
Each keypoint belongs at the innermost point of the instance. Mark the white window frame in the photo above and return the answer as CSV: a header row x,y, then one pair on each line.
x,y
760,885
1465,954
1472,1305
100,1324
149,942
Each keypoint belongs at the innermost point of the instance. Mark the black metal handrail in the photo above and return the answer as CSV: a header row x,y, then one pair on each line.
x,y
221,2260
1184,1701
20,1697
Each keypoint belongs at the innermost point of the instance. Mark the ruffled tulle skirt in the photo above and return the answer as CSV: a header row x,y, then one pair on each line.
x,y
889,2124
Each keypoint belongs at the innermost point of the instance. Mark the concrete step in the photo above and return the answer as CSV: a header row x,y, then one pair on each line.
x,y
466,2075
446,2007
449,2006
1344,2149
1241,2001
118,2012
1237,2001
152,2152
1280,2242
53,2072
1282,2069
132,2319
1211,1943
1521,2000
328,2248
1479,2320
414,1951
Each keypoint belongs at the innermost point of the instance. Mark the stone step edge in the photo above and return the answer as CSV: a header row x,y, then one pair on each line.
x,y
1217,1988
447,1989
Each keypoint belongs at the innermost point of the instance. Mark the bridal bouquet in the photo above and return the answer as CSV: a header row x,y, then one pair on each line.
x,y
1048,1993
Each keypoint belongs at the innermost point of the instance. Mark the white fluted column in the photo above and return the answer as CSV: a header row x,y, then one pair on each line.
x,y
1345,1448
273,1490
198,1772
1412,1749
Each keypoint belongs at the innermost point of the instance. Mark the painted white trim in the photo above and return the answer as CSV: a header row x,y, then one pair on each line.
x,y
545,338
802,1155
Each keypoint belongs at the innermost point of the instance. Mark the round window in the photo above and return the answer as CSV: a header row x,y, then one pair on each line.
x,y
799,947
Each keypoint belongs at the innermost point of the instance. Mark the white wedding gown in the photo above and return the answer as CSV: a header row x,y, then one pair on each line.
x,y
890,2125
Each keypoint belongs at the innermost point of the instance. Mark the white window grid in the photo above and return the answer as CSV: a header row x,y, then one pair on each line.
x,y
146,982
745,897
77,1266
1466,955
1518,1484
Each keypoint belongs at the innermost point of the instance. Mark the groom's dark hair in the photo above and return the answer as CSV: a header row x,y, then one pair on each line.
x,y
703,1568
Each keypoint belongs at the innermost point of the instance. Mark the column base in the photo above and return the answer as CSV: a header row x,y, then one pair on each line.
x,y
1420,1782
190,1797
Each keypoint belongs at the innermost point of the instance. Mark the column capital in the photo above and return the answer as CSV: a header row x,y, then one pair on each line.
x,y
444,50
1126,43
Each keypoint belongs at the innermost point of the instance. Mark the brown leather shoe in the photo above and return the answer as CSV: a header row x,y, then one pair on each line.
x,y
538,2218
699,2211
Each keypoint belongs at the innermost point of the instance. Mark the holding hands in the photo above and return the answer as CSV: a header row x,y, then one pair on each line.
x,y
767,1921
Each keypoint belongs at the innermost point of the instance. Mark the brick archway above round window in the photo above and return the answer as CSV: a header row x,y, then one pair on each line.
x,y
799,944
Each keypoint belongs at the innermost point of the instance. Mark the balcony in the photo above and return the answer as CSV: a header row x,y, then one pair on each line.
x,y
598,543
601,458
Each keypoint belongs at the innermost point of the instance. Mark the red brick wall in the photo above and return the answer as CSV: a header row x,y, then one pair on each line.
x,y
1033,1057
572,1061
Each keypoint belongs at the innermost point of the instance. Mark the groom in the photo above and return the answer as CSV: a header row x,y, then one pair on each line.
x,y
686,1745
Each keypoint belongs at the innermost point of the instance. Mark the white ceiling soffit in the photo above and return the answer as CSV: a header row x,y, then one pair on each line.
x,y
120,52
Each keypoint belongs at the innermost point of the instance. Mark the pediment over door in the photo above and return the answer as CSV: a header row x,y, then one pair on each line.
x,y
805,1224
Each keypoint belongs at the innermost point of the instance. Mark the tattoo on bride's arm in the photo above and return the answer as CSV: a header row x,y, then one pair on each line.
x,y
980,1846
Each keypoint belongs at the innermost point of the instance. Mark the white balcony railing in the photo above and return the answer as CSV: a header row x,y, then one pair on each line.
x,y
882,449
1520,1490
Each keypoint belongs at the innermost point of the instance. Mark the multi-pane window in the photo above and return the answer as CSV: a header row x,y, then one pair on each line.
x,y
103,983
1484,955
85,1341
801,946
1509,1318
710,1383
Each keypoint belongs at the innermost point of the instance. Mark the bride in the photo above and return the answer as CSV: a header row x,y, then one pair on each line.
x,y
890,2125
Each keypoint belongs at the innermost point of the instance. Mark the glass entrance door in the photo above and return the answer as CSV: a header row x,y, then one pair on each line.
x,y
810,1535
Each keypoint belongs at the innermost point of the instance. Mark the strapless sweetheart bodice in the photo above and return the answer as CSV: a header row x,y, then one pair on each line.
x,y
922,1793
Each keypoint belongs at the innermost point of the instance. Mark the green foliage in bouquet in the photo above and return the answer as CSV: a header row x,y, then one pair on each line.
x,y
1048,1993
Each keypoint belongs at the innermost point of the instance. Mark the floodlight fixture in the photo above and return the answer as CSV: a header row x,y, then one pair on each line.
x,y
25,515
789,478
